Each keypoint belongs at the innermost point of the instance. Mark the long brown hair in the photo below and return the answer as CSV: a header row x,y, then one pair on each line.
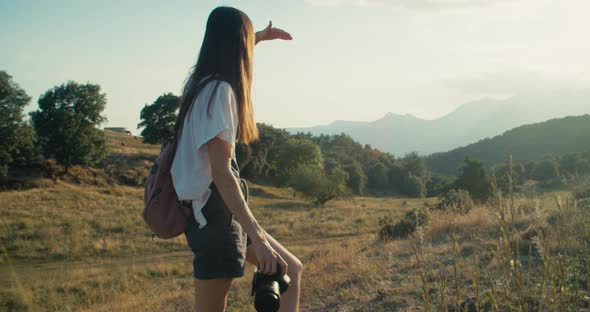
x,y
226,54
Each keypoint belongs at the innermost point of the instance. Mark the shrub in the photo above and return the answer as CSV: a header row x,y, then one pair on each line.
x,y
459,201
392,229
132,177
582,195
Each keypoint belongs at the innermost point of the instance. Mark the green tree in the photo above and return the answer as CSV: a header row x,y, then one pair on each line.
x,y
416,175
17,135
529,167
572,163
257,159
357,179
292,154
342,150
546,170
547,173
66,124
583,164
396,174
377,176
313,183
474,180
416,165
158,118
439,184
414,186
510,176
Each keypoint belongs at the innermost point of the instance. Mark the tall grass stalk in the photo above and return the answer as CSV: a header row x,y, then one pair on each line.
x,y
493,294
442,289
476,282
457,271
419,255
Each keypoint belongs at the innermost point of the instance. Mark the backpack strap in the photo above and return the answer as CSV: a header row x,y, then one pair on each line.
x,y
245,189
243,183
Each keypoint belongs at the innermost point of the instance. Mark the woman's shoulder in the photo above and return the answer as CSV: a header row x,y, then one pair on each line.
x,y
213,91
216,97
218,85
222,92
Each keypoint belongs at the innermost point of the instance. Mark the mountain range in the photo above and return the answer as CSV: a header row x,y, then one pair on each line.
x,y
554,137
469,123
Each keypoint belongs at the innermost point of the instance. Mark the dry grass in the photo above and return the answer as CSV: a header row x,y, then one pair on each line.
x,y
129,145
80,247
69,252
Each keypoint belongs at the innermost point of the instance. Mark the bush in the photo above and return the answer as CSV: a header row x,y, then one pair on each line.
x,y
582,195
457,201
391,229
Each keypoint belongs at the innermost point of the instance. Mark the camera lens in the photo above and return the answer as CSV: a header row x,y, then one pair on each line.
x,y
267,302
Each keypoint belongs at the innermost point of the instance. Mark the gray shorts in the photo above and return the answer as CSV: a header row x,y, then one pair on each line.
x,y
219,248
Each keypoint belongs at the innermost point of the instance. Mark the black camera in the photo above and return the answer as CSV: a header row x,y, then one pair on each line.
x,y
267,290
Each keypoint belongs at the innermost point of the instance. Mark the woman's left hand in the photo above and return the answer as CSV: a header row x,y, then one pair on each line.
x,y
271,33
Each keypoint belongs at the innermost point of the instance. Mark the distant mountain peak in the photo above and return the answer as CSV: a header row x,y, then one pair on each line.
x,y
467,123
390,115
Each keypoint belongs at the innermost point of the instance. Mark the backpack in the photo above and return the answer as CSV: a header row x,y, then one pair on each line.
x,y
164,214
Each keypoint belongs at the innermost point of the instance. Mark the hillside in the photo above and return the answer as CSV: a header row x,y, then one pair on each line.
x,y
72,244
471,122
530,142
77,245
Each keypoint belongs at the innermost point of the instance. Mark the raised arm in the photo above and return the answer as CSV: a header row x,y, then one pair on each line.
x,y
220,153
271,33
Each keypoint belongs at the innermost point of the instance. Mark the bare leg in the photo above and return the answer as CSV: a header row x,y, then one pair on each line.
x,y
290,299
211,295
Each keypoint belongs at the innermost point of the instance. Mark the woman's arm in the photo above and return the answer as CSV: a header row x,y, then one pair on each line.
x,y
220,157
271,33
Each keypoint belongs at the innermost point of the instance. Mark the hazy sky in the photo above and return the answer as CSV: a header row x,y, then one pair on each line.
x,y
349,60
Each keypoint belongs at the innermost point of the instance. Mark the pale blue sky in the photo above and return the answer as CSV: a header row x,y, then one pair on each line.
x,y
351,60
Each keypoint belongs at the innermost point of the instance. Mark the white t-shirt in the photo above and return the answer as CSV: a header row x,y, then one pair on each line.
x,y
191,168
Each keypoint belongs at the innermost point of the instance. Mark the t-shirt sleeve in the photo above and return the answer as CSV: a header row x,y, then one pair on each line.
x,y
220,120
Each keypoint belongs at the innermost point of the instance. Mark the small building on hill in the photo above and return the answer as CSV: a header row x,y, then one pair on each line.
x,y
119,130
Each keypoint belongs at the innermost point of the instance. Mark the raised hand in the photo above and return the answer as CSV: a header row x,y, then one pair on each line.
x,y
271,33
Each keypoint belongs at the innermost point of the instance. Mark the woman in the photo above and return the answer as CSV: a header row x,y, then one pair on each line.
x,y
215,112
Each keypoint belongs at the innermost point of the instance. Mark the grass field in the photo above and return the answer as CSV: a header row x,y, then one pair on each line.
x,y
83,246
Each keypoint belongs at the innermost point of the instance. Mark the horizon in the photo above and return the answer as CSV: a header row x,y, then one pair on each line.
x,y
499,101
427,61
